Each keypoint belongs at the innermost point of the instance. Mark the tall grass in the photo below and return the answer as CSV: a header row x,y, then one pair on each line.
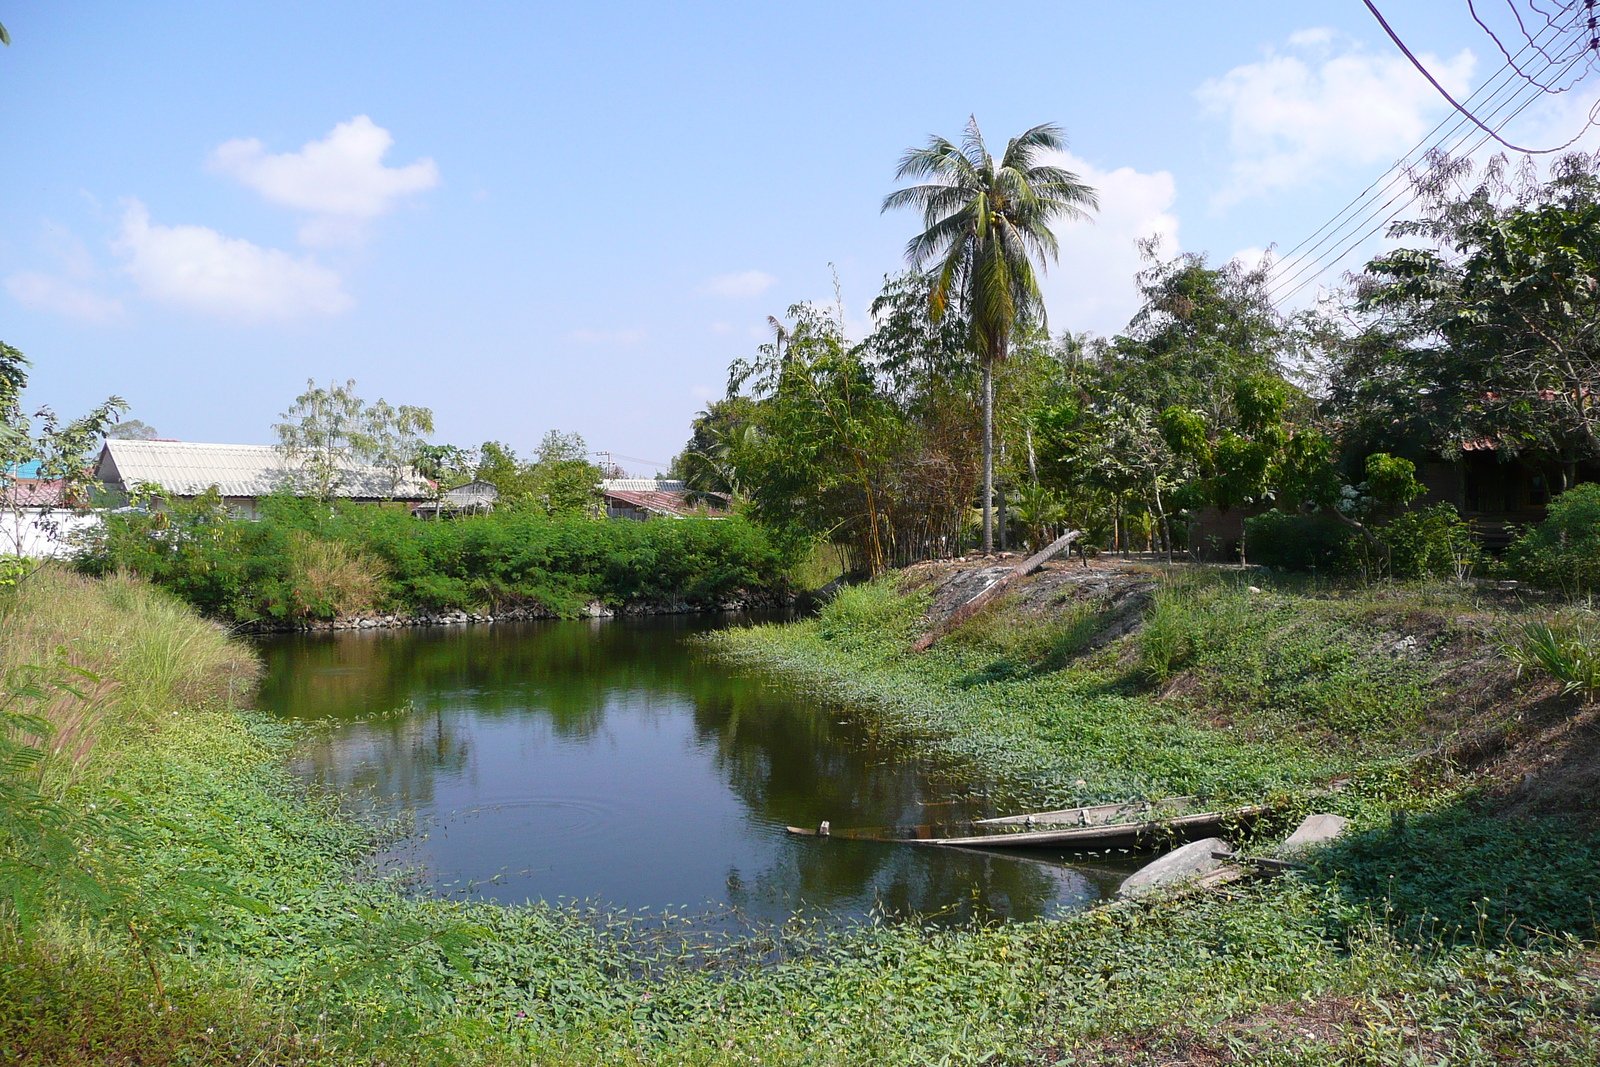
x,y
1566,648
142,655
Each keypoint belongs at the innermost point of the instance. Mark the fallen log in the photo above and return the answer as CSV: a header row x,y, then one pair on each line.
x,y
994,589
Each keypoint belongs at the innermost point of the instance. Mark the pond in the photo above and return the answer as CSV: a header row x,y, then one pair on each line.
x,y
613,761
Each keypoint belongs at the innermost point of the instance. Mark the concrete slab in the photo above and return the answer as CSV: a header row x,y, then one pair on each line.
x,y
1181,864
1314,830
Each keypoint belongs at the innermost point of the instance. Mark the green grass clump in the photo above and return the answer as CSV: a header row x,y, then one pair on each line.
x,y
1567,649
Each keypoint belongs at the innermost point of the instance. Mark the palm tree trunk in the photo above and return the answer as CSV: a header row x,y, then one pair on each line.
x,y
988,456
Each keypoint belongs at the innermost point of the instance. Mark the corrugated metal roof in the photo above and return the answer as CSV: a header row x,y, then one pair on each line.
x,y
188,468
642,485
674,503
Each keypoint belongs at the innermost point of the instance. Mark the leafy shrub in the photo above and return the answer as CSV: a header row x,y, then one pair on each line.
x,y
1298,542
874,614
1566,649
1563,551
1433,542
307,559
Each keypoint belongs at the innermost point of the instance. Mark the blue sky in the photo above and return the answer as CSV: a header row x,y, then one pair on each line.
x,y
567,216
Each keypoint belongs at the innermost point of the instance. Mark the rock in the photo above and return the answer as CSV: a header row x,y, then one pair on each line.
x,y
1314,830
1179,865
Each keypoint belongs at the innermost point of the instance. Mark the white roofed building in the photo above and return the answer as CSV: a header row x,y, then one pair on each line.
x,y
242,474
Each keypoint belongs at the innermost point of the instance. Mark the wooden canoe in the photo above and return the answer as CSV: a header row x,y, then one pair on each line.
x,y
1067,828
1104,833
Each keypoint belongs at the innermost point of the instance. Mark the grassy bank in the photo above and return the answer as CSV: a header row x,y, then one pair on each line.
x,y
220,917
1223,691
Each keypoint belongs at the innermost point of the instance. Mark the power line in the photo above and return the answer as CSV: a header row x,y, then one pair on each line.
x,y
1300,269
1419,149
1311,265
1423,70
1309,271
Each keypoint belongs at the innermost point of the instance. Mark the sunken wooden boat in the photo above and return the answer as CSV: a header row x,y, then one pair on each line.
x,y
1089,827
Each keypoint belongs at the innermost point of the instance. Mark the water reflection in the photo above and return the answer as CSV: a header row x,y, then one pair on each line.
x,y
609,760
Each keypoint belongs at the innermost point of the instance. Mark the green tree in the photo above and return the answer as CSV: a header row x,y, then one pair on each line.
x,y
322,435
563,478
394,438
985,223
499,466
1494,333
328,431
131,430
60,449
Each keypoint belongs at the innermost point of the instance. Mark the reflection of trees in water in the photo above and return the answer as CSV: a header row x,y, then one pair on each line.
x,y
798,766
400,756
907,880
786,758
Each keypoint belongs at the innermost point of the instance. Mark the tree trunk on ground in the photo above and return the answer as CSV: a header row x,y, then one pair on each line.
x,y
988,456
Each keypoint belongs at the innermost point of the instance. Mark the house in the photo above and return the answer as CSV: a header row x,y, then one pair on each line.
x,y
1498,494
474,498
647,498
36,518
242,474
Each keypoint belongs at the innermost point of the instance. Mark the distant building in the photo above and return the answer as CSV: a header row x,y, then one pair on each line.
x,y
36,517
474,498
242,474
647,498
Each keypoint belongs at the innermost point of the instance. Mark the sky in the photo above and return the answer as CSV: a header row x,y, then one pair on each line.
x,y
573,216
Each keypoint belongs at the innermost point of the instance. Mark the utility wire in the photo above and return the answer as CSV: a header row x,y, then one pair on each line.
x,y
1309,270
1420,149
1302,269
1415,62
1313,262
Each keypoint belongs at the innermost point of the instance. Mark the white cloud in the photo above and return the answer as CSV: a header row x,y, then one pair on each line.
x,y
46,292
1322,106
71,289
721,328
746,283
626,338
340,180
197,268
704,393
1091,287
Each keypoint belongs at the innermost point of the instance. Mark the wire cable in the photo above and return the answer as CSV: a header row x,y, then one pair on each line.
x,y
1301,268
1423,70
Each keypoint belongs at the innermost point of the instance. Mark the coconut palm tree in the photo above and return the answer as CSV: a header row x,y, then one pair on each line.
x,y
985,223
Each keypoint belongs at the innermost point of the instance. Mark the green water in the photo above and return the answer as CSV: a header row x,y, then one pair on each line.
x,y
612,761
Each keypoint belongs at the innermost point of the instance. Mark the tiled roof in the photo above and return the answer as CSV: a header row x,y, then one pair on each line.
x,y
185,468
33,493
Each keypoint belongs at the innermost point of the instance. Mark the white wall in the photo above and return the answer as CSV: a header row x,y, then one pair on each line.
x,y
38,533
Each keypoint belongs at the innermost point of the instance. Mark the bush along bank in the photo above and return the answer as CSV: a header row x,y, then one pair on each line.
x,y
172,897
305,561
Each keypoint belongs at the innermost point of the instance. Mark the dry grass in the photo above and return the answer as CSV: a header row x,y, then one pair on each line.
x,y
141,654
331,579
